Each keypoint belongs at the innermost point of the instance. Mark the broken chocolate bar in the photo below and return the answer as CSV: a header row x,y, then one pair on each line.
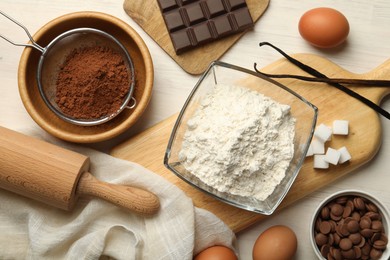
x,y
191,23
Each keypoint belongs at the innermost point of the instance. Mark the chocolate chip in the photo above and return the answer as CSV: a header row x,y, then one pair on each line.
x,y
359,203
321,239
356,238
380,245
336,238
333,225
335,217
329,256
342,200
371,207
325,213
344,230
373,215
365,222
337,210
384,238
366,249
349,254
353,226
350,204
347,211
336,253
358,252
375,254
325,227
367,233
325,250
317,225
377,225
345,244
376,236
356,215
362,242
330,239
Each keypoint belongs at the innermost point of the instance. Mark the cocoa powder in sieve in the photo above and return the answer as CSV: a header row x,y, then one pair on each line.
x,y
92,83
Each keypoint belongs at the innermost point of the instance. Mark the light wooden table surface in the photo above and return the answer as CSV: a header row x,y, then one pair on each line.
x,y
367,47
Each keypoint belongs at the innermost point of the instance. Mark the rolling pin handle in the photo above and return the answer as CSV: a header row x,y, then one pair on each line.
x,y
135,199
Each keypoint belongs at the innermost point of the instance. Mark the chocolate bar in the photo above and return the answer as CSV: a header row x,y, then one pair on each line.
x,y
191,23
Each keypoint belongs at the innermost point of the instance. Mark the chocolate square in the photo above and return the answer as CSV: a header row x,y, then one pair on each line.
x,y
215,7
195,13
181,40
235,4
167,5
202,32
174,21
222,25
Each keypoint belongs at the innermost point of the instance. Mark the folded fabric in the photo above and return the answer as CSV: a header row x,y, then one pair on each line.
x,y
95,228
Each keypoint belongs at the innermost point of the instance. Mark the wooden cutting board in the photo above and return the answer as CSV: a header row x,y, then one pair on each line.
x,y
146,14
363,141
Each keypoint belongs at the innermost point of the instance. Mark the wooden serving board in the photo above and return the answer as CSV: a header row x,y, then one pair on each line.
x,y
363,141
146,14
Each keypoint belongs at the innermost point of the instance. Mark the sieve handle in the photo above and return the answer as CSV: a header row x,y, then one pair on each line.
x,y
132,103
33,43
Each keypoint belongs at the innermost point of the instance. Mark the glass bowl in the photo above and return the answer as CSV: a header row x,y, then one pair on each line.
x,y
225,76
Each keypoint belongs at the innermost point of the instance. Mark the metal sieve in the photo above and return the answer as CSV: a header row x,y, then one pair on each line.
x,y
55,54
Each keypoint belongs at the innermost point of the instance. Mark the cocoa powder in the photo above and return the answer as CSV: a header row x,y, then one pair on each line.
x,y
92,83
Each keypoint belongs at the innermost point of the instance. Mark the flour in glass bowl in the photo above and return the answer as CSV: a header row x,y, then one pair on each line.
x,y
239,142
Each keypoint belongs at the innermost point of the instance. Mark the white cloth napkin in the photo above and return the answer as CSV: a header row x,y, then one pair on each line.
x,y
95,228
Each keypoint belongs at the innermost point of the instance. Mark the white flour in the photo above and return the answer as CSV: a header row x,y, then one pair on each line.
x,y
239,142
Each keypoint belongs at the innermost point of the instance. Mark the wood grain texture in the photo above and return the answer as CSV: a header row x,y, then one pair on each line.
x,y
58,177
363,141
40,170
147,14
130,198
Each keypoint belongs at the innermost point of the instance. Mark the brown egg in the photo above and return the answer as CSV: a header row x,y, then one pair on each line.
x,y
216,253
324,27
276,243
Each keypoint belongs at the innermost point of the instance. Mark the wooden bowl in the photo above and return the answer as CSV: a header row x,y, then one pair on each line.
x,y
45,118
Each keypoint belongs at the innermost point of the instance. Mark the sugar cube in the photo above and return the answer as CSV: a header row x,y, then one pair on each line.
x,y
340,127
332,156
309,151
320,162
323,132
318,146
344,155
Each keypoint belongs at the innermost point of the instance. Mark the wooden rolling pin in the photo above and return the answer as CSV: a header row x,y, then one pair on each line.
x,y
56,176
